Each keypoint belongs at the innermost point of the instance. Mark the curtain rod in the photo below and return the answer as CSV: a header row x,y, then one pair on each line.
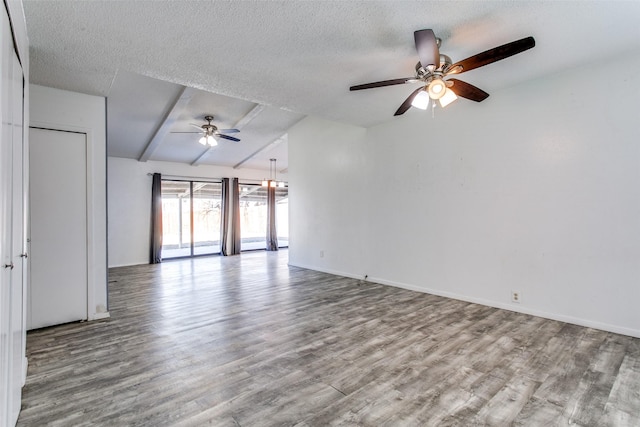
x,y
186,178
201,179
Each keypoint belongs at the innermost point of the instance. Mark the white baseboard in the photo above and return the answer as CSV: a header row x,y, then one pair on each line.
x,y
98,316
328,271
130,264
515,308
511,307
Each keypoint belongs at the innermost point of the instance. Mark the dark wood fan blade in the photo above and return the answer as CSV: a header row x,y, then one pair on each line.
x,y
228,130
381,84
407,102
467,90
495,54
427,48
230,138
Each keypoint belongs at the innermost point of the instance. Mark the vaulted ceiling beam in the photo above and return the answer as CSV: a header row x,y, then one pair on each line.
x,y
260,150
167,123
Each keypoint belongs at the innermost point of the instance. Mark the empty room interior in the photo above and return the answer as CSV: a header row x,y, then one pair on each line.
x,y
313,213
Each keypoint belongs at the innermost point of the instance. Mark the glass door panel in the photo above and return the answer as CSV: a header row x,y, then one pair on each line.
x,y
206,217
282,216
253,217
176,219
190,218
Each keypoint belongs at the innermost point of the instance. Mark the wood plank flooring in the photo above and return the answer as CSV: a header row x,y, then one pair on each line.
x,y
249,341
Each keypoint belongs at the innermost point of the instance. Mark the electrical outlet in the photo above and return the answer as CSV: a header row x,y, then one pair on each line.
x,y
516,296
321,254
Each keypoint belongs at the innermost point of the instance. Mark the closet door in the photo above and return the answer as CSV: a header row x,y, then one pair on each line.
x,y
12,228
58,210
6,147
19,243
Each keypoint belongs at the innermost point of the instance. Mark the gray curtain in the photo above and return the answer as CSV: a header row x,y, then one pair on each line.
x,y
272,236
224,226
235,217
156,219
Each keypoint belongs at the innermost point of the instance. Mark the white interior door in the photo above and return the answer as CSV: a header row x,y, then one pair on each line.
x,y
6,157
58,212
18,252
6,363
12,227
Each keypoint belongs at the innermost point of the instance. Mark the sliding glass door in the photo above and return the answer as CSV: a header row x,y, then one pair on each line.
x,y
253,216
190,218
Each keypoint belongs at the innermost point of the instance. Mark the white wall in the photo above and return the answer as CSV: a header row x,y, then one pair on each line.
x,y
64,110
328,196
534,190
130,202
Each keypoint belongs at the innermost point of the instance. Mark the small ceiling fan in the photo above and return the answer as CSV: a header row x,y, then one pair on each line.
x,y
211,132
433,67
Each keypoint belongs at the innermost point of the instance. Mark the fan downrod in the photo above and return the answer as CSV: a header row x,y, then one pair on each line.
x,y
209,129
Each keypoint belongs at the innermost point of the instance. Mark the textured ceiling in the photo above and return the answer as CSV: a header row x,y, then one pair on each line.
x,y
296,57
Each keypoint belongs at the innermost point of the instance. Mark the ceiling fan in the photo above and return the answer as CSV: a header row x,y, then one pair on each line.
x,y
211,132
433,67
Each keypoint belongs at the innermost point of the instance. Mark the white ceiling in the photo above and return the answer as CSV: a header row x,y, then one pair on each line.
x,y
276,61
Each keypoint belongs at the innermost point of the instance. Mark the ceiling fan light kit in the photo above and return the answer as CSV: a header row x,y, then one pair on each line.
x,y
447,97
208,140
421,100
438,66
210,133
436,88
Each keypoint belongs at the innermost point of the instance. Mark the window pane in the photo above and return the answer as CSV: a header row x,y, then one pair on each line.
x,y
253,217
206,217
176,221
282,216
183,239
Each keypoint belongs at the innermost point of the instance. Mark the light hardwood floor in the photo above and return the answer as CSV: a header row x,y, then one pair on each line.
x,y
249,341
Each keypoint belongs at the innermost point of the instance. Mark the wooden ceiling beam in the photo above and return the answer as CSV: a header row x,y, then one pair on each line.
x,y
173,113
